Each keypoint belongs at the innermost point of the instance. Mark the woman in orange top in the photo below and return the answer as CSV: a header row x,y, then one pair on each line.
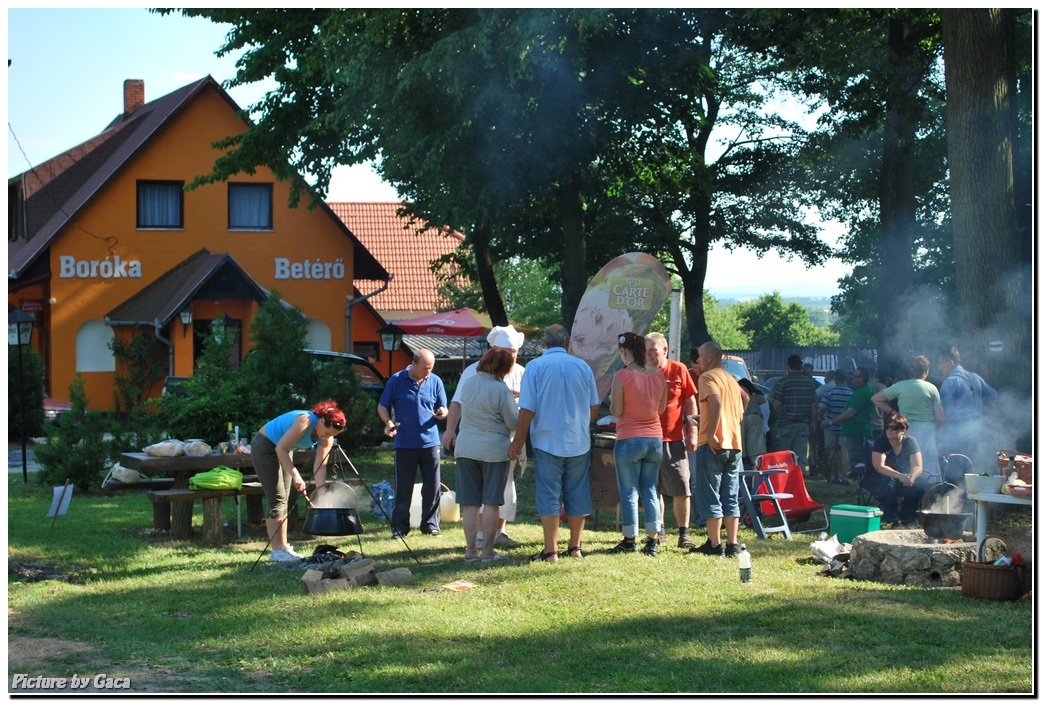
x,y
638,397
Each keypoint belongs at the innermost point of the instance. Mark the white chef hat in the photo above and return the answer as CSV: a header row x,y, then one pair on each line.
x,y
505,337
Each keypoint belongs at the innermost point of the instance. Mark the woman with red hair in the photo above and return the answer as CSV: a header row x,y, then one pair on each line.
x,y
273,462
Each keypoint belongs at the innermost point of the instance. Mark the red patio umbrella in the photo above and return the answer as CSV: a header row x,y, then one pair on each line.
x,y
461,322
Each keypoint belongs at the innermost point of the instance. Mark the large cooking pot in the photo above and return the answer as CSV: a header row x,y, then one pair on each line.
x,y
940,525
335,513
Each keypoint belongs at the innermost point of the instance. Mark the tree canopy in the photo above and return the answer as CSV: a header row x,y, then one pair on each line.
x,y
569,136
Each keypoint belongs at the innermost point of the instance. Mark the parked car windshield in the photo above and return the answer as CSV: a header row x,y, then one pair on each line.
x,y
368,376
735,365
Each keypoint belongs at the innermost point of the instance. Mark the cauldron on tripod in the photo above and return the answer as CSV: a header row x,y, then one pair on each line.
x,y
333,511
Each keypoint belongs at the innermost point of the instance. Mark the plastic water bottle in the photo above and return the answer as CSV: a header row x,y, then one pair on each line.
x,y
744,564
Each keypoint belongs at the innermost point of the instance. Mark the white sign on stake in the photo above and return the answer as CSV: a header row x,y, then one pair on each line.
x,y
60,503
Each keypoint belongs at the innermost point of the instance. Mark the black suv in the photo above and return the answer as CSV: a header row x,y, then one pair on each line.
x,y
368,376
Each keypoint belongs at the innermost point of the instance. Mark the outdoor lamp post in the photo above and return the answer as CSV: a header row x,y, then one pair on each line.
x,y
186,319
390,339
20,333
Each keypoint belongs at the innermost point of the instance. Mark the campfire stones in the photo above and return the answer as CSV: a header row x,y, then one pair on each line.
x,y
344,574
908,557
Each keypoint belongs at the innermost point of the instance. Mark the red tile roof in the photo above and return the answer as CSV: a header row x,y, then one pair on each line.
x,y
405,252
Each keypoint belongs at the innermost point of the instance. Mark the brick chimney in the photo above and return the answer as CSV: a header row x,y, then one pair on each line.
x,y
133,95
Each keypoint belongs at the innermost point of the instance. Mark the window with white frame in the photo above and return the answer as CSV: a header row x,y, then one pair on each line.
x,y
160,204
249,206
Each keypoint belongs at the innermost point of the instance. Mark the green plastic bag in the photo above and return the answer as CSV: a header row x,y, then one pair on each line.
x,y
220,478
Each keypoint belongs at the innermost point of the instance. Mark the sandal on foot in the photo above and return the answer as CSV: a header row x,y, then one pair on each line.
x,y
574,552
471,559
494,558
548,556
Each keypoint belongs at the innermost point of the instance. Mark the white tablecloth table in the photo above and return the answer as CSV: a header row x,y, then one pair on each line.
x,y
982,500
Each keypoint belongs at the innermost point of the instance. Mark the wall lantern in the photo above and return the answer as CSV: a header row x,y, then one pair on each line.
x,y
186,318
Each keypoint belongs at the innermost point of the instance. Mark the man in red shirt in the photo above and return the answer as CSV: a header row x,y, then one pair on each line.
x,y
677,435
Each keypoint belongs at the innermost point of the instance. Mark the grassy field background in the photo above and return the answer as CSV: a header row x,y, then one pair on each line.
x,y
179,617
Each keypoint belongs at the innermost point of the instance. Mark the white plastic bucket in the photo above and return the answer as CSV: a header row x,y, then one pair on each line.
x,y
450,511
415,509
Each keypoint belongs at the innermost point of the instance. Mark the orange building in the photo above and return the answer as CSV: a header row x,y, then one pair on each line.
x,y
103,240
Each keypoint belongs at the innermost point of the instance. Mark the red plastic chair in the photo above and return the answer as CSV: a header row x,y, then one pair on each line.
x,y
797,504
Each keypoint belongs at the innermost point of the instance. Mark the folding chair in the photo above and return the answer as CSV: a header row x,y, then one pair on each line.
x,y
864,496
758,495
796,505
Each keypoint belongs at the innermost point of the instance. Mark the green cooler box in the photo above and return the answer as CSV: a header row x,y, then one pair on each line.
x,y
849,521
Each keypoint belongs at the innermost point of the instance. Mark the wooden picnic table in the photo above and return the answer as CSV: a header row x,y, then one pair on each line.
x,y
182,468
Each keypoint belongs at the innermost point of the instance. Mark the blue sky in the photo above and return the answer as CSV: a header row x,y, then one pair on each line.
x,y
65,84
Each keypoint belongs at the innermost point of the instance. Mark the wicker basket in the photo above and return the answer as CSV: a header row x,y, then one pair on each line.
x,y
984,580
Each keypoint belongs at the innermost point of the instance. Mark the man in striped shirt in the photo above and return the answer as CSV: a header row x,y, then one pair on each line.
x,y
832,404
794,399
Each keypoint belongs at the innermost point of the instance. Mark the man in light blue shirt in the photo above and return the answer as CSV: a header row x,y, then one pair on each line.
x,y
558,402
962,395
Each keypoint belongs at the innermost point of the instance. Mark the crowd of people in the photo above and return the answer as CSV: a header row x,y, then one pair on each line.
x,y
683,434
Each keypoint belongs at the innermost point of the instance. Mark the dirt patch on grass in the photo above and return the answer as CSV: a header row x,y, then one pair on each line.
x,y
29,571
28,650
46,656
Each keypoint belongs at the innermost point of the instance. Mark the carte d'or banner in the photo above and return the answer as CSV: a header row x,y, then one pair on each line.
x,y
626,295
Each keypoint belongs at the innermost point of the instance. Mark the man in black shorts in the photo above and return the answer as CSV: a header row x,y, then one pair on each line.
x,y
677,435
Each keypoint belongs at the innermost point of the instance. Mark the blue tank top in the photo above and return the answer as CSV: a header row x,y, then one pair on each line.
x,y
277,427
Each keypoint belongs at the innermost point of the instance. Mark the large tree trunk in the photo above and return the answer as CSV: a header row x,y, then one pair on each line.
x,y
992,272
574,274
479,241
896,207
694,293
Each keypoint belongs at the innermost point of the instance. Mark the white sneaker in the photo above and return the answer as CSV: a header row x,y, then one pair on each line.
x,y
480,541
283,556
292,552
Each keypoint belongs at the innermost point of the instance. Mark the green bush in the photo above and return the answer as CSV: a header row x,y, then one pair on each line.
x,y
276,377
337,381
143,427
32,386
142,361
81,449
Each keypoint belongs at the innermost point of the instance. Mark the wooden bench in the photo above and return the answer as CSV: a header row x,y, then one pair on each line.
x,y
212,520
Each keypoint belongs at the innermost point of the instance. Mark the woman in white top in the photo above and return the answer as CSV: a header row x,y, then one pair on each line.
x,y
488,418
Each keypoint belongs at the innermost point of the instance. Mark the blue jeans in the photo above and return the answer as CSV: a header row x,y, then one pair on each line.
x,y
428,462
564,479
636,463
890,492
696,518
718,483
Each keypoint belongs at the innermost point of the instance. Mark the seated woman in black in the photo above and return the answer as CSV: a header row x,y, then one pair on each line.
x,y
897,461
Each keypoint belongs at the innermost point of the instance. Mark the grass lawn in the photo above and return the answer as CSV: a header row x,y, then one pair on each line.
x,y
178,617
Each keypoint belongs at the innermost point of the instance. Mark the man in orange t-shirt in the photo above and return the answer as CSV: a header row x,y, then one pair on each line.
x,y
719,451
677,435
